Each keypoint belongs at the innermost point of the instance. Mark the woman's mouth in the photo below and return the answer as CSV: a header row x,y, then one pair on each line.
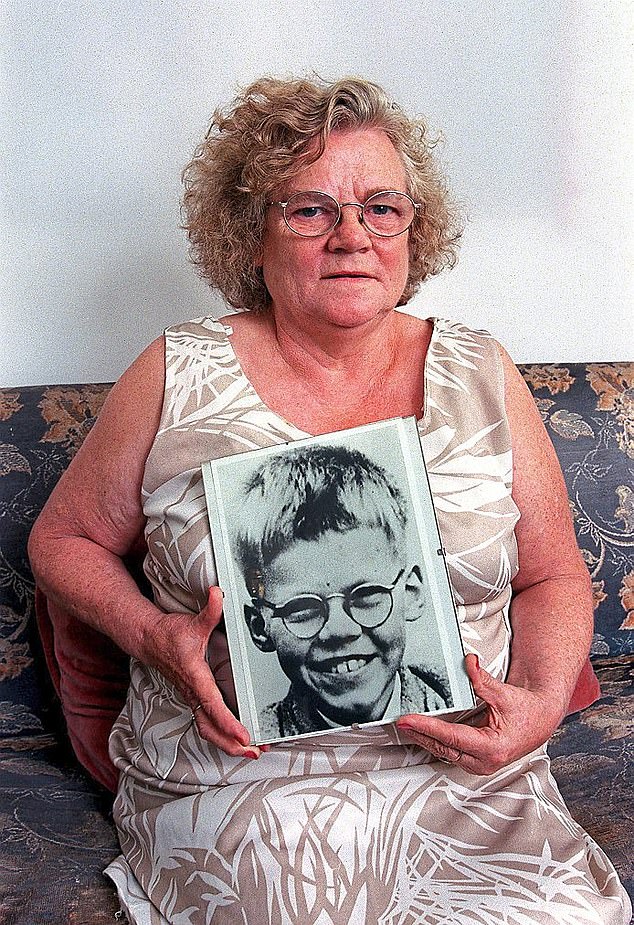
x,y
350,275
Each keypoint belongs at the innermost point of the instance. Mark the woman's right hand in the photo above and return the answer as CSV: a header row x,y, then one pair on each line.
x,y
177,647
93,519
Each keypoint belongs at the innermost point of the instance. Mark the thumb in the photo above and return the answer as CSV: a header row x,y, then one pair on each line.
x,y
211,614
485,686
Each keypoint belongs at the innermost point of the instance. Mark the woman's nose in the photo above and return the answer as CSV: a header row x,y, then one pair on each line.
x,y
349,233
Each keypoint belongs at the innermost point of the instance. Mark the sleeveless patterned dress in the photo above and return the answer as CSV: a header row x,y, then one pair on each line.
x,y
351,828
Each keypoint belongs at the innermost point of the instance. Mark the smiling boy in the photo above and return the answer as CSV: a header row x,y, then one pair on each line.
x,y
332,591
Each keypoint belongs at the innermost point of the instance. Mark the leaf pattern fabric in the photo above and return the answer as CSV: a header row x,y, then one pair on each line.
x,y
356,827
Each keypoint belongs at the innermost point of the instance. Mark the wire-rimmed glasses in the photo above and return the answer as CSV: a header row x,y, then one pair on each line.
x,y
305,615
313,213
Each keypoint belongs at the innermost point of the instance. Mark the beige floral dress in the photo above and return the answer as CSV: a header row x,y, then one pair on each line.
x,y
356,827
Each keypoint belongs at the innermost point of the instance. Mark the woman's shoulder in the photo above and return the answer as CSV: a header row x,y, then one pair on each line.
x,y
137,395
144,376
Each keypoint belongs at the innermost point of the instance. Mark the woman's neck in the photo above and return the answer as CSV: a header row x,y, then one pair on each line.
x,y
340,379
324,357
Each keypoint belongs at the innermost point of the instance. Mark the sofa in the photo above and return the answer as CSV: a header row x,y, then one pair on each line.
x,y
56,831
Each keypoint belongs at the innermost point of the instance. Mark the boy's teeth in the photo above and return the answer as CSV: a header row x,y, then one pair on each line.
x,y
352,664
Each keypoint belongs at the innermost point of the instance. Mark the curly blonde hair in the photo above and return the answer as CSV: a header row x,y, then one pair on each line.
x,y
272,131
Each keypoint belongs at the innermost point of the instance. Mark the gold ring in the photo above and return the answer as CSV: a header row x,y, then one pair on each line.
x,y
451,760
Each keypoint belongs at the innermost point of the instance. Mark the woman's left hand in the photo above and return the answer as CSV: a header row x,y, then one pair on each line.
x,y
516,721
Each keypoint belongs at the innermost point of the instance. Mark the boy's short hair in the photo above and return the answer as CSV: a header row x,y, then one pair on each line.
x,y
302,494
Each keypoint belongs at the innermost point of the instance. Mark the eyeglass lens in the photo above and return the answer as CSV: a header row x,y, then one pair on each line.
x,y
368,605
313,213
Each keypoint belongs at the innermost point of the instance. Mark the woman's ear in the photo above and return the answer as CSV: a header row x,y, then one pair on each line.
x,y
257,627
415,595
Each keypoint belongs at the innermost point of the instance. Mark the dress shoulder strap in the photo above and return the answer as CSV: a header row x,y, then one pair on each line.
x,y
466,442
200,365
464,381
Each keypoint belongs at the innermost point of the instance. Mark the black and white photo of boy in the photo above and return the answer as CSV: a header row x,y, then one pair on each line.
x,y
333,591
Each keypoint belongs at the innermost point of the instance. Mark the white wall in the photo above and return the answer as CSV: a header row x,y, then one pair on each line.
x,y
103,102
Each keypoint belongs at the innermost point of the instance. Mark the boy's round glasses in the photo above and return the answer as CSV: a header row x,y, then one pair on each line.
x,y
305,615
313,213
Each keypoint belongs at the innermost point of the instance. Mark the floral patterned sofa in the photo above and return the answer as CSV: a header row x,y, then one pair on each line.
x,y
56,834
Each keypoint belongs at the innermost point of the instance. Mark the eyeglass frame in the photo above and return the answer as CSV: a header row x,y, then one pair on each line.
x,y
323,601
340,206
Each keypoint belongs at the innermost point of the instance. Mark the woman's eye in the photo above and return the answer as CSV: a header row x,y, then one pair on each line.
x,y
381,209
307,212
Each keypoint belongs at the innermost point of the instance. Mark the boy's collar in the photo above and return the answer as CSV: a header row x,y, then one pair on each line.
x,y
393,708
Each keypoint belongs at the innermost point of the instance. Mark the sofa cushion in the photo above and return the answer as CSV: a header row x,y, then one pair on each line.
x,y
588,411
41,428
56,838
90,675
592,756
587,690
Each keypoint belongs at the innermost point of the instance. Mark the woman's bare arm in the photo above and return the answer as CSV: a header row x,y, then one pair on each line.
x,y
551,612
93,518
94,514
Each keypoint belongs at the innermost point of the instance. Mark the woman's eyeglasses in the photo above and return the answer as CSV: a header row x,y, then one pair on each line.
x,y
314,213
305,615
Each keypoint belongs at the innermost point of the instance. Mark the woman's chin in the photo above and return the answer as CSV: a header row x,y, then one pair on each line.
x,y
353,313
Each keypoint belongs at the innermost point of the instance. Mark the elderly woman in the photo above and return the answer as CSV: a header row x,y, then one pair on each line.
x,y
317,210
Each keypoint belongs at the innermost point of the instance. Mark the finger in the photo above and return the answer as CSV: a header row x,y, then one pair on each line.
x,y
506,711
210,729
450,754
484,748
475,749
214,719
222,730
215,722
443,752
439,735
472,757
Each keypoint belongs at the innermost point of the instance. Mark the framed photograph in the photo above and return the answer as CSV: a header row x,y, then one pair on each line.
x,y
338,608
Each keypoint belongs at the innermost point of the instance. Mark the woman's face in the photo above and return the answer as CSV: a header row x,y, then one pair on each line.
x,y
349,276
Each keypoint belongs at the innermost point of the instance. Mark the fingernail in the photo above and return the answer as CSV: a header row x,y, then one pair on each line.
x,y
405,728
477,662
251,753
